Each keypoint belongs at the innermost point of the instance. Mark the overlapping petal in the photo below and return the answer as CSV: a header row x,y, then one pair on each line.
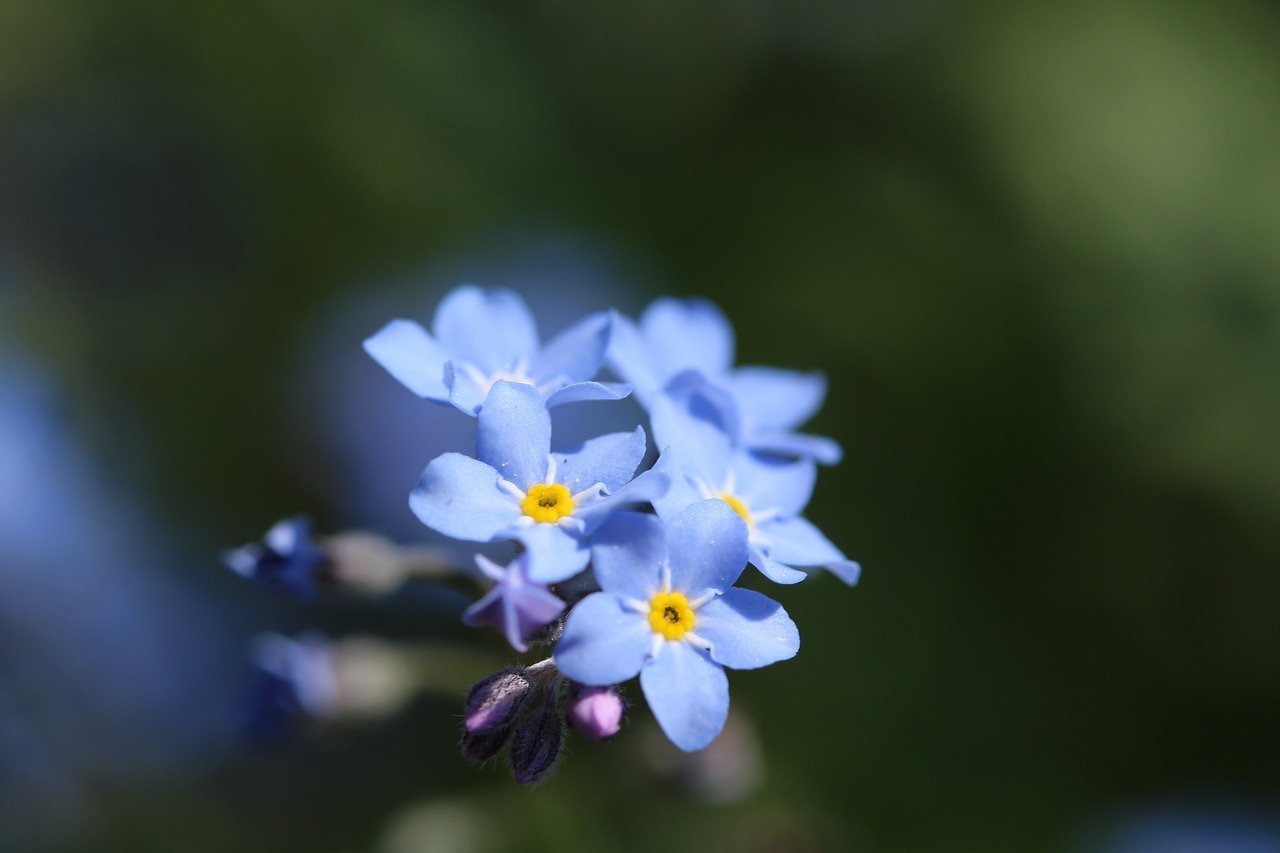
x,y
631,358
706,547
555,554
778,485
604,641
773,397
688,334
796,542
575,354
513,433
647,487
627,552
772,569
585,392
460,497
610,459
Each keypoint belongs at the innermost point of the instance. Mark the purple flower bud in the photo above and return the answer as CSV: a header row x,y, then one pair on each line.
x,y
535,747
480,748
496,700
596,712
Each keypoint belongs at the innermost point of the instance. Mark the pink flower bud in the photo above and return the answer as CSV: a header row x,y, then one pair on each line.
x,y
596,712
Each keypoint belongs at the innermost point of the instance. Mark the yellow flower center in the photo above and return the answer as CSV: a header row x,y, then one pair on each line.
x,y
670,615
547,503
738,505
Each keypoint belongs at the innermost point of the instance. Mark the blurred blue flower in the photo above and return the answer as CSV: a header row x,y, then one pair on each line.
x,y
763,405
515,605
668,613
483,336
122,666
290,681
517,489
1196,826
288,560
768,493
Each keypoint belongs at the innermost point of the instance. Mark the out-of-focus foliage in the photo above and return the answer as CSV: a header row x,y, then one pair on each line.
x,y
1033,245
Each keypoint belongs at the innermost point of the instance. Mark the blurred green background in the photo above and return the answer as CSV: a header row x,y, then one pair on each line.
x,y
1034,247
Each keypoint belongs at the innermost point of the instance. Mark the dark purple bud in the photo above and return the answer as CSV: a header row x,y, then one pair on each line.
x,y
535,746
480,748
596,712
496,700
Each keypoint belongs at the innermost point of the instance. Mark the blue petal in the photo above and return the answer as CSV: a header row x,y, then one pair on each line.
x,y
681,491
747,630
555,554
778,398
513,433
610,459
459,496
575,354
486,611
772,569
688,694
605,642
773,484
631,358
585,392
646,488
688,333
692,425
627,553
706,547
492,329
466,390
823,450
407,352
514,605
796,542
529,608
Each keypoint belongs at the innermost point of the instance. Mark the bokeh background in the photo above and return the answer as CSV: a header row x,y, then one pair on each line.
x,y
1034,247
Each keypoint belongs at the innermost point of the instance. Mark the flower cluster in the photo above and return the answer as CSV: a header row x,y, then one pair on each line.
x,y
626,553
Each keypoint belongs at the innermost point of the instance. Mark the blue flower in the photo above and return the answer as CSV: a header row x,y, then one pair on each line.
x,y
288,561
515,604
479,337
291,681
765,405
769,494
668,613
517,489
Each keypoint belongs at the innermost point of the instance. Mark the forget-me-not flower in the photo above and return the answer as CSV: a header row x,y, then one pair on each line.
x,y
292,680
288,560
516,488
515,605
769,494
668,613
764,405
479,337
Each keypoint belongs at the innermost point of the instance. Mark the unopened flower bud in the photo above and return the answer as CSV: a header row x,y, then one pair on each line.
x,y
535,746
596,712
480,748
496,700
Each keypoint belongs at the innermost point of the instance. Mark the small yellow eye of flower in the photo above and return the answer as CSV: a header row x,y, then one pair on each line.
x,y
547,503
670,615
737,505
